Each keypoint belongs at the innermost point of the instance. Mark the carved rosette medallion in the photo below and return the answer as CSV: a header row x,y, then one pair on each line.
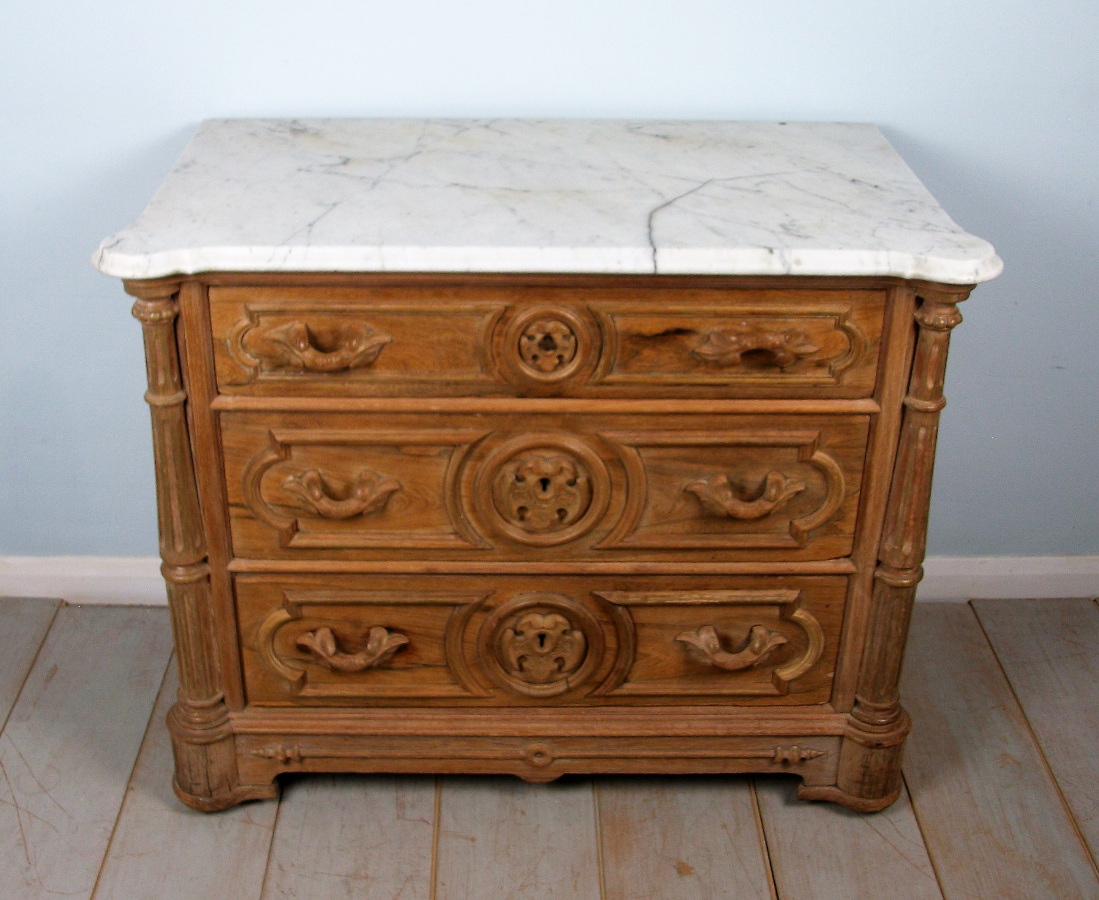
x,y
541,644
545,346
542,489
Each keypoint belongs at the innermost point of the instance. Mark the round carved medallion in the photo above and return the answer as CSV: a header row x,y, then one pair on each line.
x,y
542,489
544,346
541,644
547,345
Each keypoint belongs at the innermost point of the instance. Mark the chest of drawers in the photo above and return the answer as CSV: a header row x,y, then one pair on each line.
x,y
542,448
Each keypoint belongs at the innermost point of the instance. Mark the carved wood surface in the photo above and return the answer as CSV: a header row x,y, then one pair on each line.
x,y
582,341
507,640
569,487
456,444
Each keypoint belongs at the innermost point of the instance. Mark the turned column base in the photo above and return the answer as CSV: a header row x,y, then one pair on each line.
x,y
206,776
869,775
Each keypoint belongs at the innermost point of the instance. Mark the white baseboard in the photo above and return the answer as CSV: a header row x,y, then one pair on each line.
x,y
108,580
135,580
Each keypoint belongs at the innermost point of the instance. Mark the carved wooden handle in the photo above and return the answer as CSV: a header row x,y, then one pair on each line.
x,y
381,644
761,641
719,498
779,348
369,492
356,346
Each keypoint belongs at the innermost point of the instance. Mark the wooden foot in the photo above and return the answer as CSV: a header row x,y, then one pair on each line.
x,y
869,774
206,776
850,801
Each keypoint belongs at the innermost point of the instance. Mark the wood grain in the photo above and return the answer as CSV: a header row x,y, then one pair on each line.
x,y
822,851
1049,650
470,338
353,836
70,743
450,496
568,436
453,655
502,838
979,785
686,839
23,626
160,848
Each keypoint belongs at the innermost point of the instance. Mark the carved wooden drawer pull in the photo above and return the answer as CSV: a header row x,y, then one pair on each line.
x,y
719,498
356,346
778,348
368,493
381,644
761,641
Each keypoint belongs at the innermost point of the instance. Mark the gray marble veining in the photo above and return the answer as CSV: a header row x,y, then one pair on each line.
x,y
506,195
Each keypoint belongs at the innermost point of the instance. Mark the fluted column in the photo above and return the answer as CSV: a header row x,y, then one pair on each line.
x,y
870,764
202,739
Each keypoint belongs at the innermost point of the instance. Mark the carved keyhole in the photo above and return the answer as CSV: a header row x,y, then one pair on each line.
x,y
544,483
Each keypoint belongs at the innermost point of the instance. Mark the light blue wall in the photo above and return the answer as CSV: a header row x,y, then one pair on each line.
x,y
995,105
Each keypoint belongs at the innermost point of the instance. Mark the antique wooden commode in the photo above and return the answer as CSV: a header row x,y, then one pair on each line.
x,y
542,447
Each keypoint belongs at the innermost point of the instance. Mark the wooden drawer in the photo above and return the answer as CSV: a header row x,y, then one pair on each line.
x,y
488,339
579,486
480,640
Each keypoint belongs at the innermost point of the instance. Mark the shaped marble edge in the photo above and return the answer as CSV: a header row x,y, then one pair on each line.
x,y
604,196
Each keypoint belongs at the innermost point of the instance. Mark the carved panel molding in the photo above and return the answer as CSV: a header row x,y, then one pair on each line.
x,y
722,495
323,342
351,636
282,489
760,644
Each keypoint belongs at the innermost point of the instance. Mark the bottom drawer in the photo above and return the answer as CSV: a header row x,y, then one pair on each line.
x,y
383,640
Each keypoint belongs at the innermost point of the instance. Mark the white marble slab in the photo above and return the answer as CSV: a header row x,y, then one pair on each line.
x,y
736,198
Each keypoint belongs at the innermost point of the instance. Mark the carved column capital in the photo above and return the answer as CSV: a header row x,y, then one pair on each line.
x,y
154,290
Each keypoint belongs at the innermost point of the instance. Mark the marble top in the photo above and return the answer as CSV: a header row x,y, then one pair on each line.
x,y
405,195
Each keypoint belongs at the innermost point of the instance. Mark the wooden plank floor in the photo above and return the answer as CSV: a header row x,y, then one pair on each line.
x,y
1000,800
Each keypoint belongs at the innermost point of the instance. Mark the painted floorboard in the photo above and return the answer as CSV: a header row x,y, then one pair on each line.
x,y
680,839
162,849
68,749
820,851
23,626
1049,650
351,836
990,813
501,837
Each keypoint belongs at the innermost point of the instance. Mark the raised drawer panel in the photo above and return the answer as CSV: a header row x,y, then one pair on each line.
x,y
562,486
393,340
480,640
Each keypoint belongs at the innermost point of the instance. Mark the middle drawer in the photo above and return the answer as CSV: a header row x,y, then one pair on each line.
x,y
577,486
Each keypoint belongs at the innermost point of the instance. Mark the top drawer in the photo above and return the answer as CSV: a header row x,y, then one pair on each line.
x,y
481,339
